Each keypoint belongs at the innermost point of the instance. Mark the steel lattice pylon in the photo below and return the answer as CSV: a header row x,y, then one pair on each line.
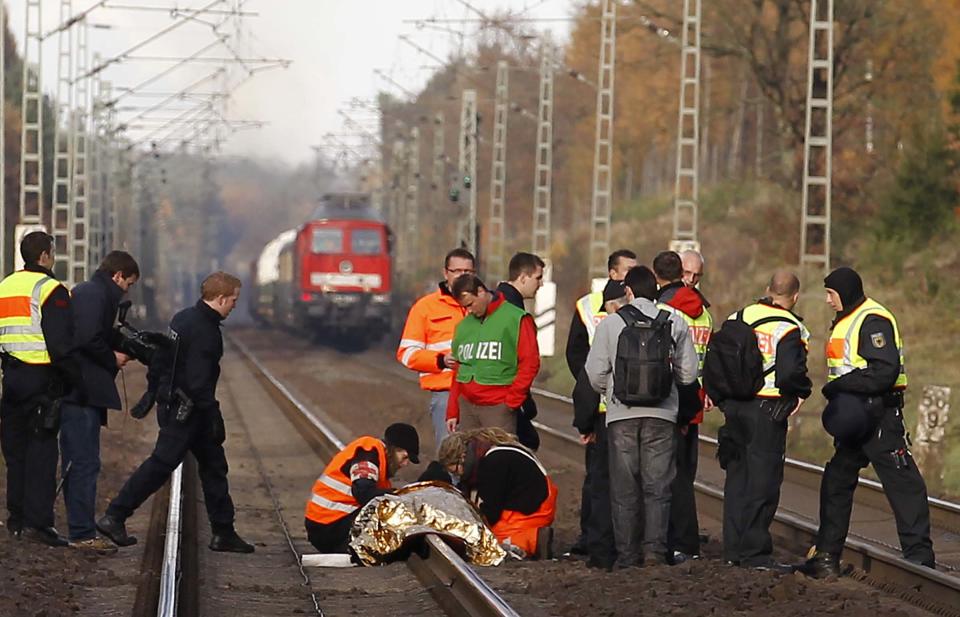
x,y
412,214
95,175
603,151
79,231
543,171
687,186
468,168
63,141
818,139
498,176
31,135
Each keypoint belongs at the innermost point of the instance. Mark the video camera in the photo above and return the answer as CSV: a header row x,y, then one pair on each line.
x,y
141,345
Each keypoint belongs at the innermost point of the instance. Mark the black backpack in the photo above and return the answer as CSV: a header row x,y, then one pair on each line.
x,y
733,366
643,368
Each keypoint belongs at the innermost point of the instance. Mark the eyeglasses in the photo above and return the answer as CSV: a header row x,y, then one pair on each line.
x,y
460,271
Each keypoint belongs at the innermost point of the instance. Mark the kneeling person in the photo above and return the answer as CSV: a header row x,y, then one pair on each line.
x,y
357,474
515,494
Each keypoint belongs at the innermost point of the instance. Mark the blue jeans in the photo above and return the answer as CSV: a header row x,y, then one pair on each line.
x,y
438,415
80,466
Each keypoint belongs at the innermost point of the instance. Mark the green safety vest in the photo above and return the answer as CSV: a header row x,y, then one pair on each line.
x,y
487,350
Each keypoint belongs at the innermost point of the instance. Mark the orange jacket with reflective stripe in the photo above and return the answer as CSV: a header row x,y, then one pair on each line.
x,y
332,498
521,529
427,334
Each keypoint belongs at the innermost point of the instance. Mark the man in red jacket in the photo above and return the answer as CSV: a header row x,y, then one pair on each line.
x,y
498,358
683,536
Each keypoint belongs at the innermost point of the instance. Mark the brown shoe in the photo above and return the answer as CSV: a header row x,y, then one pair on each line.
x,y
96,545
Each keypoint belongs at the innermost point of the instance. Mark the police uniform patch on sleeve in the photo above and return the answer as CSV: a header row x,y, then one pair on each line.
x,y
878,340
364,470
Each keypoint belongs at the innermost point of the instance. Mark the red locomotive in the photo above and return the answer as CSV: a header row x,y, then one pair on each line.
x,y
330,277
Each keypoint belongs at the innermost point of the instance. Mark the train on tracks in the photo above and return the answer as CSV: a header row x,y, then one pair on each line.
x,y
331,277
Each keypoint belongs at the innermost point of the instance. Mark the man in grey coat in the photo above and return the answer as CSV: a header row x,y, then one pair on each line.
x,y
642,440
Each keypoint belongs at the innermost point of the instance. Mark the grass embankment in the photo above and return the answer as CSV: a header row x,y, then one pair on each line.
x,y
749,230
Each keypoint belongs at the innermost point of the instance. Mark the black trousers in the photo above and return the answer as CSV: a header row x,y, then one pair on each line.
x,y
586,499
751,491
202,435
887,451
599,525
333,537
31,460
684,532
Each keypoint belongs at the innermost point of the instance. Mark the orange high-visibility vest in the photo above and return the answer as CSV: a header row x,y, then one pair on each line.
x,y
331,498
519,528
428,333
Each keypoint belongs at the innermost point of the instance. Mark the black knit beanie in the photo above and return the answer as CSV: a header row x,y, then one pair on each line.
x,y
848,285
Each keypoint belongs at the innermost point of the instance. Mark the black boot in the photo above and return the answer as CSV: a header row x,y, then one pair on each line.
x,y
821,565
44,535
115,530
229,542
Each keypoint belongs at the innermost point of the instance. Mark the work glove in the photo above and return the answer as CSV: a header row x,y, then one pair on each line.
x,y
144,405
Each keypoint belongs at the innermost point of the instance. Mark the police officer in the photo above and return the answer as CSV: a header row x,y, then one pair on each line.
x,y
190,420
865,360
757,428
36,336
357,474
588,312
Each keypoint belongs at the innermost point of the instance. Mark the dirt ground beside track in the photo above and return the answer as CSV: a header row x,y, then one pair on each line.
x,y
38,581
345,387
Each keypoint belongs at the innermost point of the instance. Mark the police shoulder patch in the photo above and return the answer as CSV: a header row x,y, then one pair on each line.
x,y
878,340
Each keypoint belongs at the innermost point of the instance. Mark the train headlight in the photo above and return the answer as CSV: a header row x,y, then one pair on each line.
x,y
380,298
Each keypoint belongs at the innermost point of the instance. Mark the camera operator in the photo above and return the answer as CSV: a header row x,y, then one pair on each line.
x,y
190,420
95,305
36,338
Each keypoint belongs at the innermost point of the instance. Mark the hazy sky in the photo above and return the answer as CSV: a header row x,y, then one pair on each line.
x,y
335,45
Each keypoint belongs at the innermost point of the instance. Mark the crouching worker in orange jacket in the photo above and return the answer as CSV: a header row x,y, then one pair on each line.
x,y
512,489
357,474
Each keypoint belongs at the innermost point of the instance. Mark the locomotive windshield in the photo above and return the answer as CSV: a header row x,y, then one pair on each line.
x,y
366,242
327,240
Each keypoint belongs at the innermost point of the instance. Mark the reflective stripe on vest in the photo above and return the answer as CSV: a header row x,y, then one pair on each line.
x,y
843,348
332,496
590,309
769,336
22,295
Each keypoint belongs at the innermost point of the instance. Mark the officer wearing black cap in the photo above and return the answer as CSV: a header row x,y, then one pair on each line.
x,y
357,474
865,384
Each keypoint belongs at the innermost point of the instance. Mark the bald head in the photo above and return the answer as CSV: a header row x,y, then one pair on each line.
x,y
692,267
784,288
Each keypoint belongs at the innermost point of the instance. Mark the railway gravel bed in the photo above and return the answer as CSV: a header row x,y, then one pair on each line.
x,y
361,393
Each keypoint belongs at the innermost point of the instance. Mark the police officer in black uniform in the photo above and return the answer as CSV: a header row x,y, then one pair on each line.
x,y
190,420
32,379
865,388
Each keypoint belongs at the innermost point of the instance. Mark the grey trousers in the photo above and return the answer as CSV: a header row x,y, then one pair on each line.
x,y
438,415
642,467
481,416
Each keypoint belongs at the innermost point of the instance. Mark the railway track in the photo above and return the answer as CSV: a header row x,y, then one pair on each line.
x,y
875,561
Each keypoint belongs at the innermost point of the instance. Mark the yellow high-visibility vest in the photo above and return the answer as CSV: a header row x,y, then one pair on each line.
x,y
701,329
22,295
769,336
843,354
590,309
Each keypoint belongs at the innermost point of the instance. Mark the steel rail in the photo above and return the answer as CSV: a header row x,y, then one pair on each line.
x,y
925,587
169,573
453,584
943,514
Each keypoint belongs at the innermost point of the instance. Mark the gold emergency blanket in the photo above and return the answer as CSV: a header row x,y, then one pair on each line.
x,y
387,522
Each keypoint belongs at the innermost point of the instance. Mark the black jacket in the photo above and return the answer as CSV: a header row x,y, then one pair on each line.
x,y
21,381
199,349
526,432
95,305
509,480
578,345
883,362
